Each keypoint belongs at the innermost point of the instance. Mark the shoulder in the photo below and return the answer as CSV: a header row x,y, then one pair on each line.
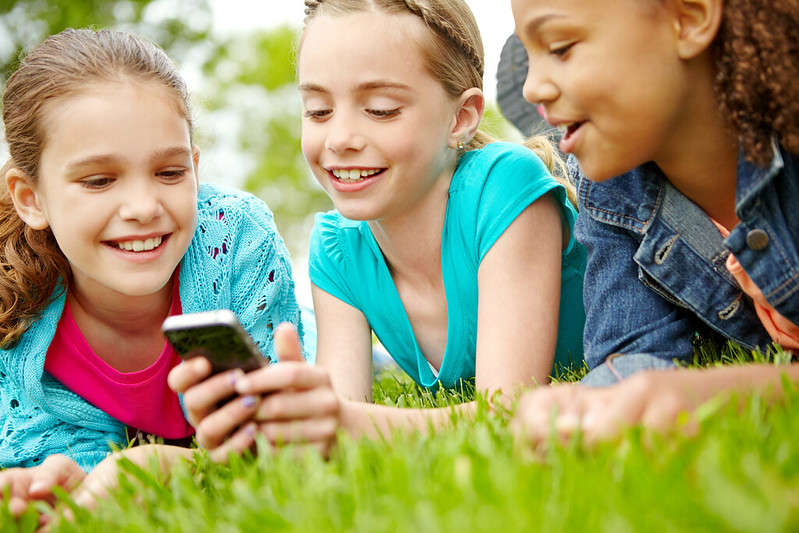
x,y
502,158
334,236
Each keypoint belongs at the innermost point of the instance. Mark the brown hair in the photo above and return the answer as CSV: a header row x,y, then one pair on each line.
x,y
455,56
31,261
756,56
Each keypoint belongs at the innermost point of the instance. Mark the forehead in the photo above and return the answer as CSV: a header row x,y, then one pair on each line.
x,y
113,117
346,45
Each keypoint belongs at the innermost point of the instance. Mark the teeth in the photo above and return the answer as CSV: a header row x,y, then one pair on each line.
x,y
140,246
563,128
353,175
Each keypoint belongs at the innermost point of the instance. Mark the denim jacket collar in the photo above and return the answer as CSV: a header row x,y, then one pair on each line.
x,y
752,178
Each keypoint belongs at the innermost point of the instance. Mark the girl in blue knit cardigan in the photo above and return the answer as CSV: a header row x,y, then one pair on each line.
x,y
104,232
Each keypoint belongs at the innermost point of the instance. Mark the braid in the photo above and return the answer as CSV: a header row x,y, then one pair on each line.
x,y
310,7
443,26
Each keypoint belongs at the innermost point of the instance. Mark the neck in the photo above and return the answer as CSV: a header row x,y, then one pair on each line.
x,y
411,242
128,315
701,160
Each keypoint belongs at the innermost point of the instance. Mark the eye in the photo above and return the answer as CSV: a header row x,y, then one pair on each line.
x,y
172,174
317,114
384,113
560,49
96,182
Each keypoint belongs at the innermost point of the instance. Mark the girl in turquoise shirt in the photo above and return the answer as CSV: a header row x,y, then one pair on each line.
x,y
455,251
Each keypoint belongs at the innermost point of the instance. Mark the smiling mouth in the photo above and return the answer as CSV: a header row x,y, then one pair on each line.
x,y
138,246
355,175
567,130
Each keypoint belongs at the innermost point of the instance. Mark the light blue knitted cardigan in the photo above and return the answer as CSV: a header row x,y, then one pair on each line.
x,y
236,260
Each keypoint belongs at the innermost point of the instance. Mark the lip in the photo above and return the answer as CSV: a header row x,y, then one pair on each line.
x,y
356,186
139,257
569,141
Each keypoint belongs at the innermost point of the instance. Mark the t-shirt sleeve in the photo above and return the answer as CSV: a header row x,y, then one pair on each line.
x,y
516,179
326,258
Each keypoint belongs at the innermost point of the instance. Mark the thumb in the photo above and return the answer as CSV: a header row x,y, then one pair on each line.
x,y
287,343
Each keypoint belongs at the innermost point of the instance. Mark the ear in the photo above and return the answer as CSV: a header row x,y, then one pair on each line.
x,y
25,198
696,23
195,156
468,114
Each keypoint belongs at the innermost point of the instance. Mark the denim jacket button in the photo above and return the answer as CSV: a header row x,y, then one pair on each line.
x,y
757,239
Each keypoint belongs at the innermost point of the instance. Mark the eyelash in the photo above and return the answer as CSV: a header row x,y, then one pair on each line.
x,y
173,174
561,51
384,113
316,113
95,183
103,182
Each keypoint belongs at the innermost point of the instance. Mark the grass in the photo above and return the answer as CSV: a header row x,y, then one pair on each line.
x,y
740,473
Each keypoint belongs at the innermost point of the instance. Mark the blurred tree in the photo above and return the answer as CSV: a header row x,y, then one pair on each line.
x,y
254,78
24,23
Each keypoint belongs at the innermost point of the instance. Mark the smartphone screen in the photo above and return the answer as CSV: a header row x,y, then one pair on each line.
x,y
215,335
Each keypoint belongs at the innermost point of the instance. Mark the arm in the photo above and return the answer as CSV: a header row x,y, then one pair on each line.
x,y
519,295
105,475
653,399
344,345
518,278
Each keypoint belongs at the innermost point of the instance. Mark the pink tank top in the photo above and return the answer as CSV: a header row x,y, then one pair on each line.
x,y
140,399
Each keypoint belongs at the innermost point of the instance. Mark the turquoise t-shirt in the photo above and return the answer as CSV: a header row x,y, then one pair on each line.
x,y
489,189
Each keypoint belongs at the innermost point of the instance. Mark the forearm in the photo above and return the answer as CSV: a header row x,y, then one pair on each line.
x,y
756,378
379,421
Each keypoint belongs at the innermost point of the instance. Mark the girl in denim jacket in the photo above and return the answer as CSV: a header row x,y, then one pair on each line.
x,y
692,108
104,232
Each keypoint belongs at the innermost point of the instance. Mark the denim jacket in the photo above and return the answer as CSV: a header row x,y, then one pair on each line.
x,y
656,269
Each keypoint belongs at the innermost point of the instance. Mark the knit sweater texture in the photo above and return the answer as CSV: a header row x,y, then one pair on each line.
x,y
236,260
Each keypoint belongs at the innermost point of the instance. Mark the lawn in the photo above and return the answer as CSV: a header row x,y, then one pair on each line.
x,y
740,473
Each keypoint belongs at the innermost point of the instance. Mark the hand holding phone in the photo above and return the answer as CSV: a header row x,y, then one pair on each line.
x,y
215,335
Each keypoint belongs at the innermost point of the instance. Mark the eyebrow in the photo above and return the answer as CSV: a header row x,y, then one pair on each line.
x,y
103,159
365,86
536,23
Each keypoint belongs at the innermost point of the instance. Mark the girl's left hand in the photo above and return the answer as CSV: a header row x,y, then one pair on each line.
x,y
298,404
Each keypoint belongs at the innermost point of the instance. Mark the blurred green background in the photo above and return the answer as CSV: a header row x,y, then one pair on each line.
x,y
246,106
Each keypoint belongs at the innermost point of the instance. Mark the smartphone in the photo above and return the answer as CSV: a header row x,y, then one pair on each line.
x,y
217,336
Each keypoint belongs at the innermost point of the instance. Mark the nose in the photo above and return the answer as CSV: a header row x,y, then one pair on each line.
x,y
343,135
141,201
539,88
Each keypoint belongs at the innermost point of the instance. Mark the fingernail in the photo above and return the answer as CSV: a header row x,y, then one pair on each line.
x,y
235,375
249,429
37,486
249,401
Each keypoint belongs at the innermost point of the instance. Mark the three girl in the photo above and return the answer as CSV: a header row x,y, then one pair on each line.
x,y
105,232
692,108
457,252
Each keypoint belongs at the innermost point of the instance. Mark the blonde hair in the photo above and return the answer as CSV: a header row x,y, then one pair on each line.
x,y
454,57
31,261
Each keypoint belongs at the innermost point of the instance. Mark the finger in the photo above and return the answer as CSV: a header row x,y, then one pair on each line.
x,y
218,425
617,408
242,440
550,409
203,398
56,470
188,374
291,374
306,431
294,404
287,343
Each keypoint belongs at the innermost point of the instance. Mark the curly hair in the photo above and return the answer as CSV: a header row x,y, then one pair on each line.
x,y
756,55
31,263
455,57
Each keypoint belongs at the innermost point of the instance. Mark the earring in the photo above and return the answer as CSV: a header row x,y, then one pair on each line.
x,y
461,146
